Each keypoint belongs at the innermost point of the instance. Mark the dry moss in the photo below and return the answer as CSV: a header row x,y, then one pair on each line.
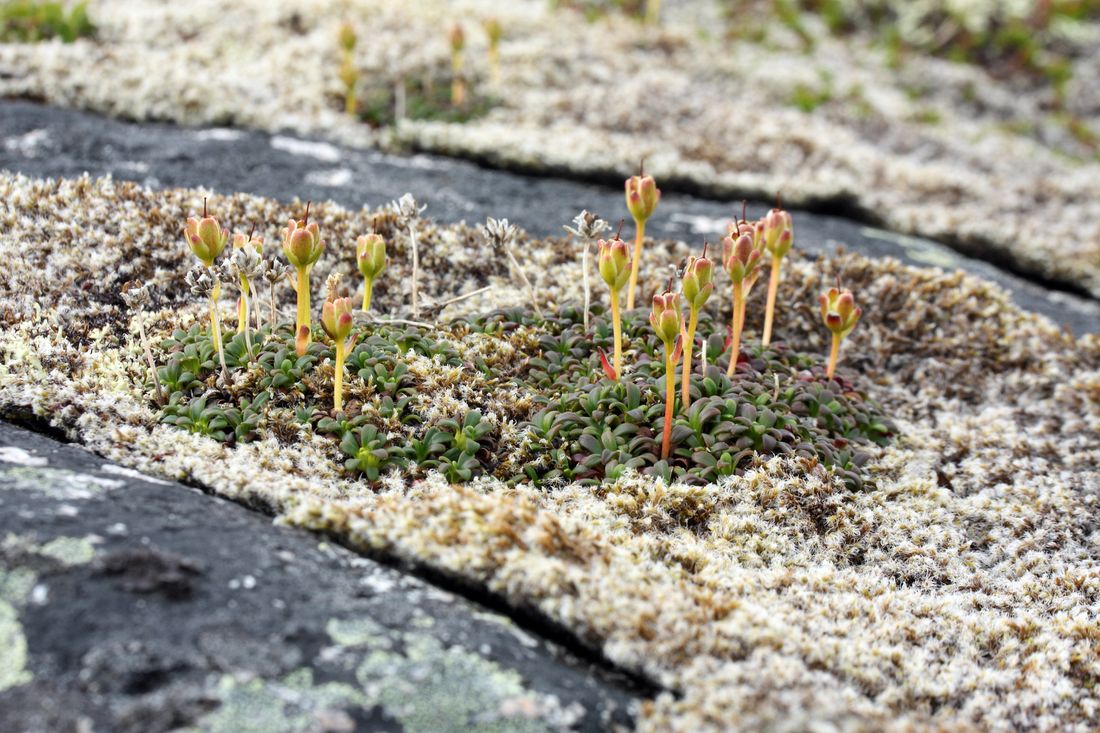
x,y
961,591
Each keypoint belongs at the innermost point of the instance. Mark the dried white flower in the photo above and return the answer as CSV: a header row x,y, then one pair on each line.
x,y
135,295
246,262
202,280
275,271
407,208
587,225
499,232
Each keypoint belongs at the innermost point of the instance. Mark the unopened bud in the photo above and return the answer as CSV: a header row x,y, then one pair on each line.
x,y
206,238
698,281
839,311
302,243
666,318
614,263
740,258
642,196
370,255
336,318
778,232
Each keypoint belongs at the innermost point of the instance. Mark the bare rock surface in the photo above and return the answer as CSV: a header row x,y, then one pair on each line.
x,y
129,603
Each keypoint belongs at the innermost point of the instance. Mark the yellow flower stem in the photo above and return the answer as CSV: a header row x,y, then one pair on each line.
x,y
216,330
338,382
639,237
773,288
670,399
834,353
242,306
689,342
367,283
617,325
736,324
303,303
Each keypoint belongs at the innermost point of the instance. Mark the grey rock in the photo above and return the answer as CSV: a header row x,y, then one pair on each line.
x,y
228,622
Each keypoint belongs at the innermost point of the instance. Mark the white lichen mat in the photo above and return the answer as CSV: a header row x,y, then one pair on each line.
x,y
943,150
960,590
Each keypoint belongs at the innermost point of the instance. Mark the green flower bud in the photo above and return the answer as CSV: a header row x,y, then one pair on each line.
x,y
698,281
370,254
302,243
666,317
494,31
614,263
642,196
257,241
839,311
206,238
348,38
336,318
458,38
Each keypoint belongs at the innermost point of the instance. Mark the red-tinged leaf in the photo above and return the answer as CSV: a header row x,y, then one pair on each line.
x,y
678,349
729,338
607,368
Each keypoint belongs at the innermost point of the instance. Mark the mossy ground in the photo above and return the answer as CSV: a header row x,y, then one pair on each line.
x,y
958,589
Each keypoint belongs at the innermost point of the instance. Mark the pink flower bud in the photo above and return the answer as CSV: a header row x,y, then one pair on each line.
x,y
778,232
642,196
839,311
740,258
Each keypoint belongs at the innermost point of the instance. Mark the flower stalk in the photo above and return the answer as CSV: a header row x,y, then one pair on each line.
x,y
840,314
697,286
642,196
336,320
246,265
457,39
349,74
741,259
370,255
302,246
494,32
614,266
667,320
408,212
503,235
207,241
588,227
778,237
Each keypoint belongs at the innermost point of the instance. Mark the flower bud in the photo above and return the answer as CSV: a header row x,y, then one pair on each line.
x,y
642,196
778,232
348,38
336,318
494,31
206,238
614,263
457,38
240,240
666,317
740,258
698,281
370,254
839,311
302,243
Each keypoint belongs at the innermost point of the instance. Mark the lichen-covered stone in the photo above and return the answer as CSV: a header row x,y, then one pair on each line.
x,y
959,589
